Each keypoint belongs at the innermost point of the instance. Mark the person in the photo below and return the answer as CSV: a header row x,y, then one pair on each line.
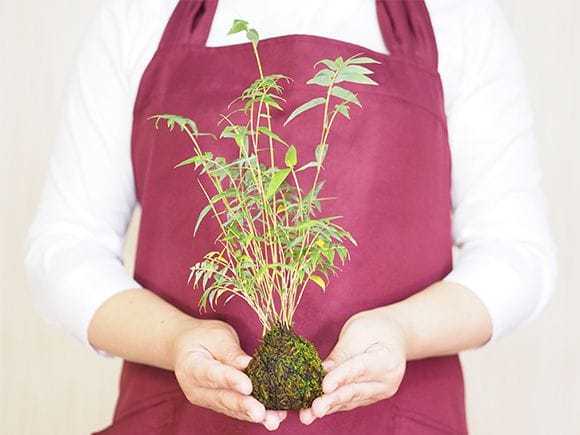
x,y
441,154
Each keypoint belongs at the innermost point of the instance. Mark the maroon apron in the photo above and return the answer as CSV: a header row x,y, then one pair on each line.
x,y
388,167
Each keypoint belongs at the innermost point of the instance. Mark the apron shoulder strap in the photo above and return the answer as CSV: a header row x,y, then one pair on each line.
x,y
407,30
190,23
405,25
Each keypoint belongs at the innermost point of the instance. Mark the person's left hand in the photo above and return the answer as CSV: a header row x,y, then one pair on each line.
x,y
366,365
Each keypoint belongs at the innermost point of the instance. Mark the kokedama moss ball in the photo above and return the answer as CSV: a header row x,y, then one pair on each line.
x,y
286,371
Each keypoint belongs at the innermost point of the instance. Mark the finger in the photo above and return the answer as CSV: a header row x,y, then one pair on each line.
x,y
306,416
282,415
231,354
348,394
272,420
338,355
350,405
366,367
231,403
214,374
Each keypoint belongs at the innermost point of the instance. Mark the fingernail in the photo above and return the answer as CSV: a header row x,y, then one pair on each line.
x,y
328,365
244,388
244,361
271,424
330,387
309,421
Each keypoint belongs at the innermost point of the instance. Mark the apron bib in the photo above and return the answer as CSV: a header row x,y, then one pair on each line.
x,y
388,168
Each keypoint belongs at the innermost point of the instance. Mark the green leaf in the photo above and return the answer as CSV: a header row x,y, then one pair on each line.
x,y
359,60
318,280
271,134
307,165
267,99
355,78
291,158
322,78
320,152
230,193
306,106
229,298
329,254
329,63
252,35
342,253
202,214
343,110
189,161
175,119
356,69
233,131
271,102
345,94
277,179
238,26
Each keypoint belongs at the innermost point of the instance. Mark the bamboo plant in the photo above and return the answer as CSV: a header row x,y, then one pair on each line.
x,y
273,239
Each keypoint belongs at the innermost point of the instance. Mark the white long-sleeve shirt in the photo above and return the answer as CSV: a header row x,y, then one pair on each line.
x,y
507,256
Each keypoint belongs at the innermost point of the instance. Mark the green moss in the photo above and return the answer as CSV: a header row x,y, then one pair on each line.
x,y
286,371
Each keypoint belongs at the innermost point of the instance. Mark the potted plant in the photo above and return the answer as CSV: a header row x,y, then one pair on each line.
x,y
273,239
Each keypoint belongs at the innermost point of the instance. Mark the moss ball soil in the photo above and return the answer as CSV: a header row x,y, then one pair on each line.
x,y
286,371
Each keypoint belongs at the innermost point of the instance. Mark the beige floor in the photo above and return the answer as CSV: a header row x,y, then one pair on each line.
x,y
528,384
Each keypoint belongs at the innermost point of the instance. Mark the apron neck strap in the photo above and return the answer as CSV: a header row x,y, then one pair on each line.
x,y
407,30
189,23
405,25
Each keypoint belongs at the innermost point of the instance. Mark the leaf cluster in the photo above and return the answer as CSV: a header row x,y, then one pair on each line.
x,y
273,239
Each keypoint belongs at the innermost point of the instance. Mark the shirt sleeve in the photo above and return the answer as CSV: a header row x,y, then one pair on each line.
x,y
73,250
499,222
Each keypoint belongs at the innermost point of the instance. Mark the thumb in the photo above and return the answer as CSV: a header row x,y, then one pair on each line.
x,y
233,355
339,354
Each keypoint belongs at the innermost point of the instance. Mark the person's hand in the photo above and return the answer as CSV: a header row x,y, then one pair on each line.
x,y
208,364
366,365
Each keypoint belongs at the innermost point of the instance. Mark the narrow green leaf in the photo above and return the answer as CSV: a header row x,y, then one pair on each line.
x,y
176,119
322,78
202,214
345,94
307,165
225,194
238,26
355,78
252,35
189,161
271,102
343,110
329,63
277,179
271,134
306,106
320,152
318,280
361,60
356,69
229,298
291,158
342,253
329,254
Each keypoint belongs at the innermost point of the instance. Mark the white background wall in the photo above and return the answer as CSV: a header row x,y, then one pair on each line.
x,y
528,383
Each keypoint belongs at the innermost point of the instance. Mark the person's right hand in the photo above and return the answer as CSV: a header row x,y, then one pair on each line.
x,y
209,364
